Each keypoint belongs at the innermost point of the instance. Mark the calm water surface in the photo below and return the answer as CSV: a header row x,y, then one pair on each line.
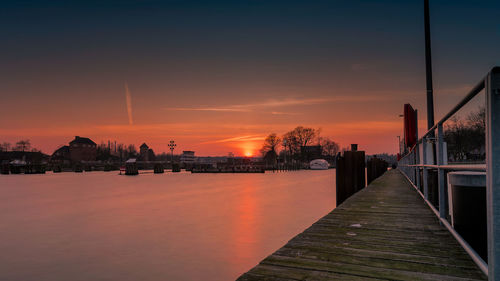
x,y
102,226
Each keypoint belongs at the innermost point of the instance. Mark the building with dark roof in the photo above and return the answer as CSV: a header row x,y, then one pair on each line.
x,y
143,149
82,149
187,157
61,155
146,153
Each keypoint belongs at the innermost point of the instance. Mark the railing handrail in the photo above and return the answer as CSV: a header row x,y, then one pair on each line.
x,y
432,149
455,167
474,92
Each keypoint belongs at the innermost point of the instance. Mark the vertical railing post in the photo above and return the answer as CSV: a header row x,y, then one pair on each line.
x,y
440,160
413,168
425,173
416,169
492,88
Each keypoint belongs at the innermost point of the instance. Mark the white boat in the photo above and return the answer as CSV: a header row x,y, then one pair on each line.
x,y
318,164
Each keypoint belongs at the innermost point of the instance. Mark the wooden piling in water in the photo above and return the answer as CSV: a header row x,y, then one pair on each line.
x,y
350,173
176,168
158,168
375,167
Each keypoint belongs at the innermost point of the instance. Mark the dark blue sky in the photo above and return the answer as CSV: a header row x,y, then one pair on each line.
x,y
178,54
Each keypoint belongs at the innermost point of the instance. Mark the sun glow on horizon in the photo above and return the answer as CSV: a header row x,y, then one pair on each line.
x,y
248,148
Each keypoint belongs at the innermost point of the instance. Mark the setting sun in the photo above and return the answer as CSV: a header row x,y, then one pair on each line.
x,y
248,148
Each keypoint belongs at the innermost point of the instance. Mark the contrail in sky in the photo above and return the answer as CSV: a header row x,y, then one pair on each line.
x,y
128,98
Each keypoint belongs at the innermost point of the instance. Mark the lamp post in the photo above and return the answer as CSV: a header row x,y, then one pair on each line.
x,y
172,146
428,66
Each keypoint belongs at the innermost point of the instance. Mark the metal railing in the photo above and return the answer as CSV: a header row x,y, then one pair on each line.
x,y
429,156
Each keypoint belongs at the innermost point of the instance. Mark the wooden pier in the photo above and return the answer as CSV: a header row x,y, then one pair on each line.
x,y
384,231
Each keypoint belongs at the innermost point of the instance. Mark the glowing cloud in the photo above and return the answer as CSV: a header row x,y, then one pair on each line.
x,y
273,103
128,99
240,139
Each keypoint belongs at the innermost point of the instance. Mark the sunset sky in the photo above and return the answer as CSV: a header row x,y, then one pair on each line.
x,y
218,76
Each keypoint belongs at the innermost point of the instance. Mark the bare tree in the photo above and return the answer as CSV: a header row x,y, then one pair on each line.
x,y
329,147
270,144
23,145
477,119
319,138
5,146
465,137
121,150
298,137
304,135
132,152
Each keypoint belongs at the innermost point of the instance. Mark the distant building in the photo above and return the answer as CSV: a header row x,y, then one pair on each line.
x,y
209,161
61,155
143,149
187,157
30,157
146,153
82,149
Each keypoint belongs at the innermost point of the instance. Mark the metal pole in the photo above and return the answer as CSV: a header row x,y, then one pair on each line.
x,y
416,125
172,146
428,67
493,171
417,152
441,185
425,173
417,169
399,144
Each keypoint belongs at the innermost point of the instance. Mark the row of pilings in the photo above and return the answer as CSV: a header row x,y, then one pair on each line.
x,y
352,172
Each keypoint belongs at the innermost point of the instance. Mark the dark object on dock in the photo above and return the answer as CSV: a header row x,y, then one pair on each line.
x,y
350,173
468,209
57,169
158,169
176,168
384,232
375,167
131,168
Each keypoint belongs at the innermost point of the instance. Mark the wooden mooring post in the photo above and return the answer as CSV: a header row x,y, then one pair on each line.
x,y
350,173
375,167
158,168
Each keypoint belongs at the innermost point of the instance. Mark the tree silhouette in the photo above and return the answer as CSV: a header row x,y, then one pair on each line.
x,y
270,144
23,145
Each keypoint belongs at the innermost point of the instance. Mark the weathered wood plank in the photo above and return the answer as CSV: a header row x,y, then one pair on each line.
x,y
384,232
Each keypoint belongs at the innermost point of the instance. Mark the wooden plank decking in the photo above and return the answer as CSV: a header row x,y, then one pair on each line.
x,y
385,231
